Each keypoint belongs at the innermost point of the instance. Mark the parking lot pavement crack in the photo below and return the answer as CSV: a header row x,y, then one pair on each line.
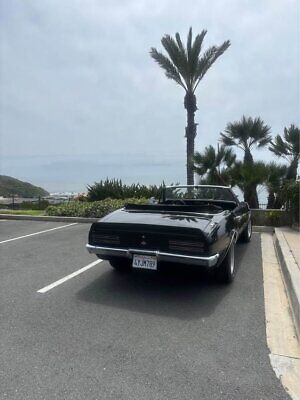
x,y
283,355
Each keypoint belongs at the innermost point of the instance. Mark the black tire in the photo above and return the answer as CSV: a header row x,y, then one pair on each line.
x,y
227,269
245,236
120,264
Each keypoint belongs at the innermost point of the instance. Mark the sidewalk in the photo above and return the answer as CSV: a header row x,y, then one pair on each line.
x,y
287,243
293,240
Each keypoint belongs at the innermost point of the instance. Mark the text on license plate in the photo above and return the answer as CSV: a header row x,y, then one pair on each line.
x,y
145,262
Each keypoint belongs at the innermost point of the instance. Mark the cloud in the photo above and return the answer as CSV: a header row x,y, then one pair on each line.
x,y
77,77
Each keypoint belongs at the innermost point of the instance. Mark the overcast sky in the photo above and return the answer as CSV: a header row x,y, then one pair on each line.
x,y
81,99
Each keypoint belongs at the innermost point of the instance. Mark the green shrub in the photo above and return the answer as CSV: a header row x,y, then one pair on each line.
x,y
270,217
95,209
274,218
289,195
116,189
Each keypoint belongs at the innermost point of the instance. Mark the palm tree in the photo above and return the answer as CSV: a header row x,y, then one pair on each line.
x,y
246,176
275,178
214,165
288,148
247,134
187,66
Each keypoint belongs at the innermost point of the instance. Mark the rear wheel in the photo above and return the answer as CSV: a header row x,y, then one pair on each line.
x,y
226,271
247,233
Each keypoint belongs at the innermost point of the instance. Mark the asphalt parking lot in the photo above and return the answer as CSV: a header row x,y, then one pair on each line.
x,y
141,335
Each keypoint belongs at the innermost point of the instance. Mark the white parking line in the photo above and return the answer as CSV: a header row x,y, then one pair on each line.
x,y
66,278
38,233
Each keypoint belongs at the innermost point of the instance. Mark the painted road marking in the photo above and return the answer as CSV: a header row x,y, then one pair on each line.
x,y
37,233
66,278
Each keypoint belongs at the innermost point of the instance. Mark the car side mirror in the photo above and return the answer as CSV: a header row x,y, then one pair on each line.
x,y
244,205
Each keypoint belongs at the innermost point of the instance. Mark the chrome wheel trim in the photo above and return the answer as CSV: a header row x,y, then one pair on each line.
x,y
249,228
232,259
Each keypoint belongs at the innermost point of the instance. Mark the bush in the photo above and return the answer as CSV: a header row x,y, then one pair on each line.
x,y
290,195
115,189
95,209
270,217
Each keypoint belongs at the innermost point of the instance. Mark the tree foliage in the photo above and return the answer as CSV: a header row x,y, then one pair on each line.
x,y
186,65
213,166
288,148
246,176
246,134
275,175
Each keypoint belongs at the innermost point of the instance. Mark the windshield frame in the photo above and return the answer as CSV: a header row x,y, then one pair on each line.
x,y
227,188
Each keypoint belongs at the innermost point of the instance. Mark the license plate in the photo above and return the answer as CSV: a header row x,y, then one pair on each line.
x,y
144,262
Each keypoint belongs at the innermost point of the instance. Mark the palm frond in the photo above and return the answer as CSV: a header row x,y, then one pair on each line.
x,y
279,147
292,138
213,166
170,69
246,133
180,45
189,42
207,60
187,61
263,142
193,55
177,57
245,176
276,175
229,157
227,140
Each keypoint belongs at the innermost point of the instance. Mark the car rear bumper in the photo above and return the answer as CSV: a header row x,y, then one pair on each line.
x,y
107,252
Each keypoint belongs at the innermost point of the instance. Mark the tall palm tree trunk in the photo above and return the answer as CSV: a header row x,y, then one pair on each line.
x,y
271,199
190,105
292,170
248,159
250,196
252,191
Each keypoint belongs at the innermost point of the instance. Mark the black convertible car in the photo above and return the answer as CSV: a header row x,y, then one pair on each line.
x,y
196,225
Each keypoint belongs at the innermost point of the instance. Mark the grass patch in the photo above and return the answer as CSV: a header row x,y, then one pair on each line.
x,y
23,212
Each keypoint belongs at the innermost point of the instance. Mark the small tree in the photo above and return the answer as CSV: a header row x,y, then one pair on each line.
x,y
288,148
246,177
274,180
213,165
247,134
187,66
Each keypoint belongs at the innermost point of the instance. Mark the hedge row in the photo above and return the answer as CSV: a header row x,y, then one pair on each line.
x,y
95,209
116,189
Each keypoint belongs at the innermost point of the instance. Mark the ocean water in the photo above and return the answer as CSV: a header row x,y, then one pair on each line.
x,y
74,174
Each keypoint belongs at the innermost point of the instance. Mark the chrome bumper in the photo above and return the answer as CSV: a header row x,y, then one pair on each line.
x,y
161,256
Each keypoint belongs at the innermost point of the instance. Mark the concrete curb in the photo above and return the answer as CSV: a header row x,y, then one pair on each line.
x,y
259,229
263,229
48,218
291,274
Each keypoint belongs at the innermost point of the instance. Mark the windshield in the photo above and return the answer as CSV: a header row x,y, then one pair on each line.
x,y
198,193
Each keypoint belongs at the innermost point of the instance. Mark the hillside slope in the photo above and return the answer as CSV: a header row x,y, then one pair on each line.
x,y
9,186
